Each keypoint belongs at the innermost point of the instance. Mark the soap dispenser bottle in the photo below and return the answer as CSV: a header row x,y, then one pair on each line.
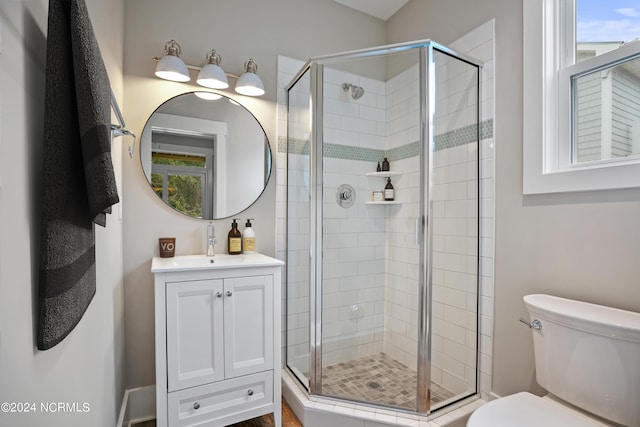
x,y
249,238
385,165
389,191
234,246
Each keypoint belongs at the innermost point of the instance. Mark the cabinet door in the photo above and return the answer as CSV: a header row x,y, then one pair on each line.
x,y
248,317
195,337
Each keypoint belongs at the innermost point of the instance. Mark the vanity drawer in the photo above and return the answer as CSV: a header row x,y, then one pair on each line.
x,y
222,402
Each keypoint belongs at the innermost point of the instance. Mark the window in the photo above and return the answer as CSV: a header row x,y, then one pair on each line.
x,y
182,171
581,95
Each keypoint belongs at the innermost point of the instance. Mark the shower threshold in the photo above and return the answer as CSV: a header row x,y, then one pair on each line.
x,y
319,411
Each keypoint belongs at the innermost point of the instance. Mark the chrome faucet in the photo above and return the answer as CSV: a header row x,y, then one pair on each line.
x,y
211,235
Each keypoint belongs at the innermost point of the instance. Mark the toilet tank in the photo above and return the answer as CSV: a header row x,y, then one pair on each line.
x,y
588,355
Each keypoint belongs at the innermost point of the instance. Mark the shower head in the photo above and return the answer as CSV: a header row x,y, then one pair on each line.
x,y
356,91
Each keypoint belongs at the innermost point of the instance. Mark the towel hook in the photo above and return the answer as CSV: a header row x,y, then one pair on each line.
x,y
118,131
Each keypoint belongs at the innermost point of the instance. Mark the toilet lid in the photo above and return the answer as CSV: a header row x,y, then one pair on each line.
x,y
528,410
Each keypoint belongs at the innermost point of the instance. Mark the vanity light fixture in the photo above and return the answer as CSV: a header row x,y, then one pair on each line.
x,y
211,75
171,67
249,83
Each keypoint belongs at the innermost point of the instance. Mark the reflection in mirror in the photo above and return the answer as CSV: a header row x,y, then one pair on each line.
x,y
206,158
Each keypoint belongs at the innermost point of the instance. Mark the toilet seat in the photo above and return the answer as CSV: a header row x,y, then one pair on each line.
x,y
528,410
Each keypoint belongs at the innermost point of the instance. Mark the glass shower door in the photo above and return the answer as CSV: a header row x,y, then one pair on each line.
x,y
370,247
298,236
454,226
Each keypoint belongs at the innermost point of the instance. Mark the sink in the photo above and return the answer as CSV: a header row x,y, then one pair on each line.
x,y
203,262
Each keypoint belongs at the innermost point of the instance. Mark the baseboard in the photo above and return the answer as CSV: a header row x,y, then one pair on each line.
x,y
138,405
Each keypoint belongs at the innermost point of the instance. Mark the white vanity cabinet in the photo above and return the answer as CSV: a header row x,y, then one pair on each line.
x,y
217,339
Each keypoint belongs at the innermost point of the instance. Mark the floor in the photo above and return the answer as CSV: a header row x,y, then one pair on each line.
x,y
377,379
289,419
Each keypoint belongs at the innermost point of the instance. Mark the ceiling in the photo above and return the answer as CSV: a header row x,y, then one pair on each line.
x,y
382,9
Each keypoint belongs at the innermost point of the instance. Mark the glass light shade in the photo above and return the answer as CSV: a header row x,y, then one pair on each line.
x,y
170,67
208,96
211,75
250,84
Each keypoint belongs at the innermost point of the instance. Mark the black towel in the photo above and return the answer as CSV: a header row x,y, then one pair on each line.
x,y
78,180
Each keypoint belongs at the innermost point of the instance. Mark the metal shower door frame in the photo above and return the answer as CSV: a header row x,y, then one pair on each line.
x,y
427,100
315,253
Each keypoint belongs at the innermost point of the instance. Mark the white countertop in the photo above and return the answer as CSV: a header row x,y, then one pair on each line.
x,y
203,262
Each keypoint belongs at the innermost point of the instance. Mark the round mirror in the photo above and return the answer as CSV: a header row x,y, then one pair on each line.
x,y
207,157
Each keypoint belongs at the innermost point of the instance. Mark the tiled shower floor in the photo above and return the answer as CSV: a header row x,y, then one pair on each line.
x,y
377,379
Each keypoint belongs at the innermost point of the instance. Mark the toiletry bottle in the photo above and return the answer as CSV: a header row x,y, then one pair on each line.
x,y
385,165
389,193
235,240
378,168
249,238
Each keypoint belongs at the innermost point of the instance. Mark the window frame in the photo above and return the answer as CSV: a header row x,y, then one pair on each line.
x,y
207,173
548,57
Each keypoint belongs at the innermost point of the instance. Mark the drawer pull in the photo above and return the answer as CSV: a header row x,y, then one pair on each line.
x,y
219,294
250,392
196,406
229,293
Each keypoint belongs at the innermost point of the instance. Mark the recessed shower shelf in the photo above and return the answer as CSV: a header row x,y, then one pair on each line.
x,y
393,202
384,174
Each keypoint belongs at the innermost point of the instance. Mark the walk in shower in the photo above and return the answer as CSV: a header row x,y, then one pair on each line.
x,y
382,295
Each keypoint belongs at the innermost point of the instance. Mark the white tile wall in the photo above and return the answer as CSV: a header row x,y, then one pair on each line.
x,y
353,238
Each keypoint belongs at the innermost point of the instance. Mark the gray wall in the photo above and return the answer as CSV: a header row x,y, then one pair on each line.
x,y
88,365
583,246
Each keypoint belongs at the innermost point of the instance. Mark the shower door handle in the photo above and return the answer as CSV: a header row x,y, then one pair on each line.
x,y
417,230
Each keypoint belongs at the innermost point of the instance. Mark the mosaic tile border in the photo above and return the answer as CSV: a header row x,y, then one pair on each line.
x,y
463,135
335,151
454,138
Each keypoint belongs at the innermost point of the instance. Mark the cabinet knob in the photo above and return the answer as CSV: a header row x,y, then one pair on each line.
x,y
196,405
229,293
250,392
219,294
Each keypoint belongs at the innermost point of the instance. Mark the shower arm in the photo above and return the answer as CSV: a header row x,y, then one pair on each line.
x,y
356,91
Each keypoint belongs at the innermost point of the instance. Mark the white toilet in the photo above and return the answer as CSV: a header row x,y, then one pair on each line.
x,y
587,357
